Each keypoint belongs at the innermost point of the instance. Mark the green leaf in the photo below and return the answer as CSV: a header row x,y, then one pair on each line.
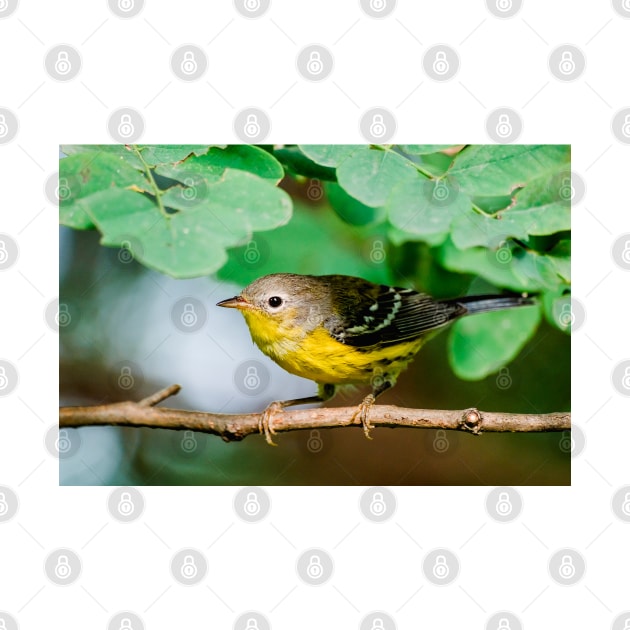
x,y
421,149
557,307
323,244
183,245
544,204
161,154
482,344
500,169
329,154
192,241
86,173
212,164
351,210
505,265
238,199
424,207
300,164
399,237
122,151
541,207
370,175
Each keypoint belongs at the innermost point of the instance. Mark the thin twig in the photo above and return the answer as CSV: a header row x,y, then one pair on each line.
x,y
233,427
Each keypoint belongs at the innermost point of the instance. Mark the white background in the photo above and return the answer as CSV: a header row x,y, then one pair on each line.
x,y
252,63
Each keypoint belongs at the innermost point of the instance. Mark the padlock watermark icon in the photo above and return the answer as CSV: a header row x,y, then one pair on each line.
x,y
125,126
189,566
566,191
377,253
503,254
567,566
189,317
504,126
126,380
4,254
315,443
125,255
504,380
4,379
9,504
252,620
189,442
63,570
125,504
441,569
504,5
440,441
377,504
4,507
315,566
63,443
252,126
252,504
63,65
9,125
315,569
378,5
315,62
189,64
504,505
315,65
62,62
378,128
315,190
62,190
567,63
252,380
252,9
440,566
62,566
189,569
566,317
440,62
252,253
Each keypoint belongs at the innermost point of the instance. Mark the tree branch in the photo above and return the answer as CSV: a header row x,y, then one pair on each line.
x,y
233,427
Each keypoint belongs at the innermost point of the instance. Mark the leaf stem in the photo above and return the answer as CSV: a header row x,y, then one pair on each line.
x,y
156,190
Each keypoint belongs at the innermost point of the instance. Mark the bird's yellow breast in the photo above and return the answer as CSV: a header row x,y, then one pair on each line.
x,y
317,356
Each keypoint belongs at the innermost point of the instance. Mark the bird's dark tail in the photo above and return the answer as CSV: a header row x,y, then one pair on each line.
x,y
486,303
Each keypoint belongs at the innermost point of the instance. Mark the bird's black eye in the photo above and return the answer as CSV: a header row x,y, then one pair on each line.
x,y
275,301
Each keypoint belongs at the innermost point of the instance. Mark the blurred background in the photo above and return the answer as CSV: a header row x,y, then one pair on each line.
x,y
127,331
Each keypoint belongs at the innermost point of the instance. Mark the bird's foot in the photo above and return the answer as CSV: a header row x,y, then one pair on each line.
x,y
363,411
265,421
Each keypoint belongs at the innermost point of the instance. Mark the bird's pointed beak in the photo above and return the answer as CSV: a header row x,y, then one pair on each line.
x,y
235,302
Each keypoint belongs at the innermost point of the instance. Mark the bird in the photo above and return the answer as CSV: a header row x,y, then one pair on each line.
x,y
338,330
